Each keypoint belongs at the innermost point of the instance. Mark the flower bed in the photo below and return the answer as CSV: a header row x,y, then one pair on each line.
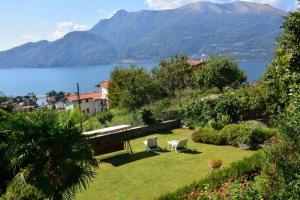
x,y
218,179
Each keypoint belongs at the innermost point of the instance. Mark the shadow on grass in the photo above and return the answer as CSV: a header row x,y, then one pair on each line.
x,y
164,132
125,158
191,151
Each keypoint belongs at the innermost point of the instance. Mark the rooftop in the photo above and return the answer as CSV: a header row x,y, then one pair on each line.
x,y
88,95
195,63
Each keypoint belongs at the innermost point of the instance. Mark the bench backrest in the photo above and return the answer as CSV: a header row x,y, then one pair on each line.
x,y
152,141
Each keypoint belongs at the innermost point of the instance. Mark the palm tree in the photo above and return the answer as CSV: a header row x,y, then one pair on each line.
x,y
54,155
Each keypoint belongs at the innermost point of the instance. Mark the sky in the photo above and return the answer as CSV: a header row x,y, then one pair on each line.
x,y
23,21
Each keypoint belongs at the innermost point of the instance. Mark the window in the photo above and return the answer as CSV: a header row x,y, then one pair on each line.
x,y
86,100
88,110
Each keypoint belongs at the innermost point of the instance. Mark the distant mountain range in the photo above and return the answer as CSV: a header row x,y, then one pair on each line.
x,y
240,29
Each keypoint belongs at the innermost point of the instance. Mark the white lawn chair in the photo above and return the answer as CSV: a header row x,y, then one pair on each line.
x,y
151,144
178,145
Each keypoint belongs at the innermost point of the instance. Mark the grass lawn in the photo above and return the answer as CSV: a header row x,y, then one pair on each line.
x,y
146,175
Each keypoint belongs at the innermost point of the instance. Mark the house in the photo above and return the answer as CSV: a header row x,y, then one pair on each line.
x,y
90,102
197,63
103,87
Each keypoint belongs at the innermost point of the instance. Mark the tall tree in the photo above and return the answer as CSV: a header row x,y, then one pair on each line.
x,y
173,74
55,157
282,78
130,88
219,71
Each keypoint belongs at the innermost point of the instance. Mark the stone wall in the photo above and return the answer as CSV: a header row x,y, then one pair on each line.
x,y
135,132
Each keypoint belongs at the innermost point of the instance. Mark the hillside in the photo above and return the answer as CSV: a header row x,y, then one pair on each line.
x,y
243,30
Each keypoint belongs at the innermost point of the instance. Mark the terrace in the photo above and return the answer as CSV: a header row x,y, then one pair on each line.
x,y
146,175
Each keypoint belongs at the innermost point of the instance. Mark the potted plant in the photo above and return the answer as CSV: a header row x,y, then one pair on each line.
x,y
215,163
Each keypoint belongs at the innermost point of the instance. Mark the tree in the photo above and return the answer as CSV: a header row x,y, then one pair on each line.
x,y
130,88
6,103
173,74
282,78
53,154
5,173
280,177
219,71
54,96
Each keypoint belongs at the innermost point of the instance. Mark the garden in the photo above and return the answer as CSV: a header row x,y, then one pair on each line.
x,y
147,175
249,130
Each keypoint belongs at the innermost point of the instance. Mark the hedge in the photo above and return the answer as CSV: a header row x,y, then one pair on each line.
x,y
234,135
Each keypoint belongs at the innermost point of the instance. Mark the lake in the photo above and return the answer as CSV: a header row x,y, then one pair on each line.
x,y
20,81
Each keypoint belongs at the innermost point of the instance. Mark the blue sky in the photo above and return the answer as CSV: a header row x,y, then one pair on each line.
x,y
32,20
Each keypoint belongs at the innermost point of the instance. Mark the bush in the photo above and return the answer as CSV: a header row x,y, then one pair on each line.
x,y
215,179
104,117
148,117
222,109
208,136
234,135
18,190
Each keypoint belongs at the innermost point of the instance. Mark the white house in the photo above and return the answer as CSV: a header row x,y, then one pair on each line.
x,y
90,102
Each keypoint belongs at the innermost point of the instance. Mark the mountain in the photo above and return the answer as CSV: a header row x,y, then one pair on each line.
x,y
240,29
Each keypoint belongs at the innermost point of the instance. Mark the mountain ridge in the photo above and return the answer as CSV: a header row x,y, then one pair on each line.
x,y
240,29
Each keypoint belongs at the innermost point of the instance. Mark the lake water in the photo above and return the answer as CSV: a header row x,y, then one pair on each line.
x,y
41,80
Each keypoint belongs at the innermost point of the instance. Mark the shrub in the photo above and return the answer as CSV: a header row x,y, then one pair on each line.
x,y
223,109
18,190
208,136
148,117
104,117
234,135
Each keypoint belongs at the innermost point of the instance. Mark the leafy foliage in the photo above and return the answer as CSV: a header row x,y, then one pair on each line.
x,y
218,109
148,117
104,117
54,96
5,173
234,134
54,155
173,74
281,80
280,177
219,71
18,189
130,88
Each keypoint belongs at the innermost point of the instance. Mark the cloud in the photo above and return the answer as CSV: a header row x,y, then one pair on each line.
x,y
168,4
63,28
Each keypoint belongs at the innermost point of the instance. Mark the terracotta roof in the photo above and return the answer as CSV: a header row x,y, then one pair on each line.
x,y
195,63
88,95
